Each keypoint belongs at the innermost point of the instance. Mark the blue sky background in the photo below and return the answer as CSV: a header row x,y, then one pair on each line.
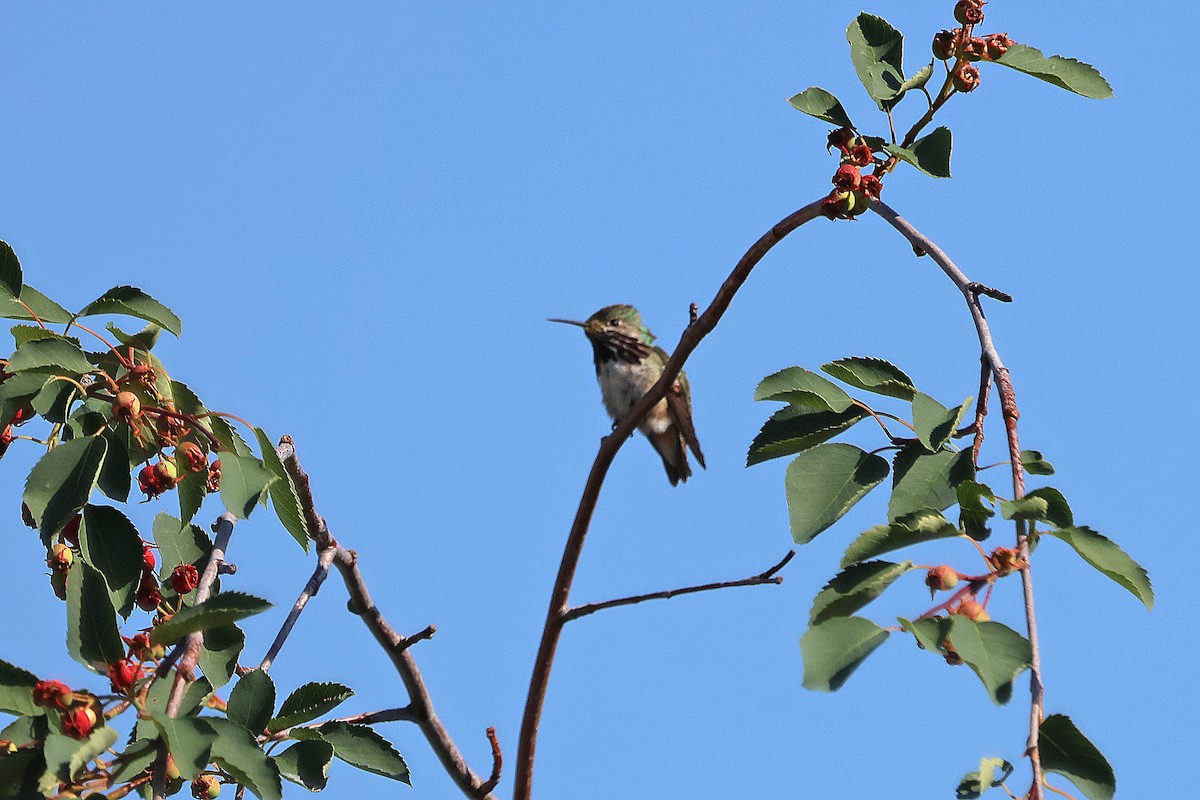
x,y
365,212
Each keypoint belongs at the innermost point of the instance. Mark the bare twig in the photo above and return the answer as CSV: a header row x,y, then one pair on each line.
x,y
1008,403
324,559
393,644
769,576
560,594
497,763
408,641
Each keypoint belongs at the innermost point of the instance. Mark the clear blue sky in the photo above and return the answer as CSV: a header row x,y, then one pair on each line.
x,y
365,212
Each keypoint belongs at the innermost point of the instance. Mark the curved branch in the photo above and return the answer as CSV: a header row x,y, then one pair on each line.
x,y
560,595
1008,404
324,559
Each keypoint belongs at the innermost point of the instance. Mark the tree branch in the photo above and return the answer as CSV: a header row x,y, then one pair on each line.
x,y
324,559
393,644
560,595
769,576
1008,404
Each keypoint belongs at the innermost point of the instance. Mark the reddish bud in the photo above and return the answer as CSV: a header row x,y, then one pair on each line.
x,y
148,596
969,12
148,481
24,414
939,579
965,78
943,44
78,722
214,477
1006,560
997,45
872,186
206,787
841,139
861,155
972,610
847,178
185,578
191,456
148,559
51,694
123,674
973,49
70,531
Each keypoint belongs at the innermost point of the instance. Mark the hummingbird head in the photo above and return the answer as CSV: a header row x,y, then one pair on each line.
x,y
616,331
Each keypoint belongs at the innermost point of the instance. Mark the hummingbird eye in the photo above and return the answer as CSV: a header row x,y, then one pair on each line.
x,y
616,323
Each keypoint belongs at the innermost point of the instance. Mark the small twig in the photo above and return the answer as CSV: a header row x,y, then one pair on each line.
x,y
408,641
769,576
324,559
981,407
227,569
974,287
497,763
693,314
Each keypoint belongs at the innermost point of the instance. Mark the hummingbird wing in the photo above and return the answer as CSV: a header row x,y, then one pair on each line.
x,y
679,405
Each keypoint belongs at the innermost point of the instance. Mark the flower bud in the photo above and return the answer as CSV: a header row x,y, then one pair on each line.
x,y
965,78
185,578
969,12
78,722
943,44
51,694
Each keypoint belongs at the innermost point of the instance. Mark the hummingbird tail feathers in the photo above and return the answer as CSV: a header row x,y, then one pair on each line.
x,y
670,448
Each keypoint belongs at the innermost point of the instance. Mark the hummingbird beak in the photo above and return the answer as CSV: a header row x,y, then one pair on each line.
x,y
566,321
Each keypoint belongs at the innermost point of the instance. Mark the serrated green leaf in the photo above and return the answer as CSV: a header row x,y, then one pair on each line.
x,y
306,763
190,740
33,333
919,78
825,482
93,638
1066,73
10,272
800,387
61,481
214,612
194,696
66,756
994,651
192,490
930,153
26,730
1069,753
816,102
133,302
872,375
1045,504
240,755
16,691
855,587
137,756
835,648
309,702
794,429
1035,464
179,544
114,479
914,528
218,657
243,481
110,543
1106,556
43,307
59,354
252,701
145,339
876,50
931,633
284,499
973,512
362,747
923,480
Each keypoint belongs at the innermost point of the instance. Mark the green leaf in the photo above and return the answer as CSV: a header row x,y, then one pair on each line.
x,y
240,755
243,481
61,481
934,422
309,702
872,375
218,657
16,691
231,441
306,763
252,701
192,491
835,648
362,747
931,633
919,78
133,302
33,333
973,512
214,612
930,153
145,339
1106,556
876,50
43,307
825,482
800,387
180,544
855,587
190,740
1066,73
1045,504
1069,753
59,354
923,480
114,478
93,638
10,271
137,756
974,784
25,730
284,498
186,400
194,696
816,102
1035,464
914,528
794,429
110,543
996,653
66,756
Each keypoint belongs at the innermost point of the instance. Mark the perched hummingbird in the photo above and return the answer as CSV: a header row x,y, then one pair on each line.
x,y
627,365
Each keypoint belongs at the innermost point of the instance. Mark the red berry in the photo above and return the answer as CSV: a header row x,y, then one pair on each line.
x,y
840,139
872,186
51,694
126,406
861,155
847,178
78,722
943,44
941,578
148,559
185,578
191,456
123,674
997,45
969,12
60,558
148,481
966,78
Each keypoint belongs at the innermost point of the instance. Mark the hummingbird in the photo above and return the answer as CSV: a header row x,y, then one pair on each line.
x,y
627,366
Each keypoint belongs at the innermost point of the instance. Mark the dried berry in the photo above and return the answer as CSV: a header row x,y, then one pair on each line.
x,y
973,49
872,186
191,456
997,45
969,12
52,694
861,155
847,178
841,139
943,44
966,78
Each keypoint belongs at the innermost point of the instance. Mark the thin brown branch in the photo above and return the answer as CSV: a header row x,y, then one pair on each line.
x,y
561,593
393,644
408,641
981,407
497,763
769,576
1008,404
324,559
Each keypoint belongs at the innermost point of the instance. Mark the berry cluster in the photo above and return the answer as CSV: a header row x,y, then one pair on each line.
x,y
963,47
965,603
852,190
77,711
